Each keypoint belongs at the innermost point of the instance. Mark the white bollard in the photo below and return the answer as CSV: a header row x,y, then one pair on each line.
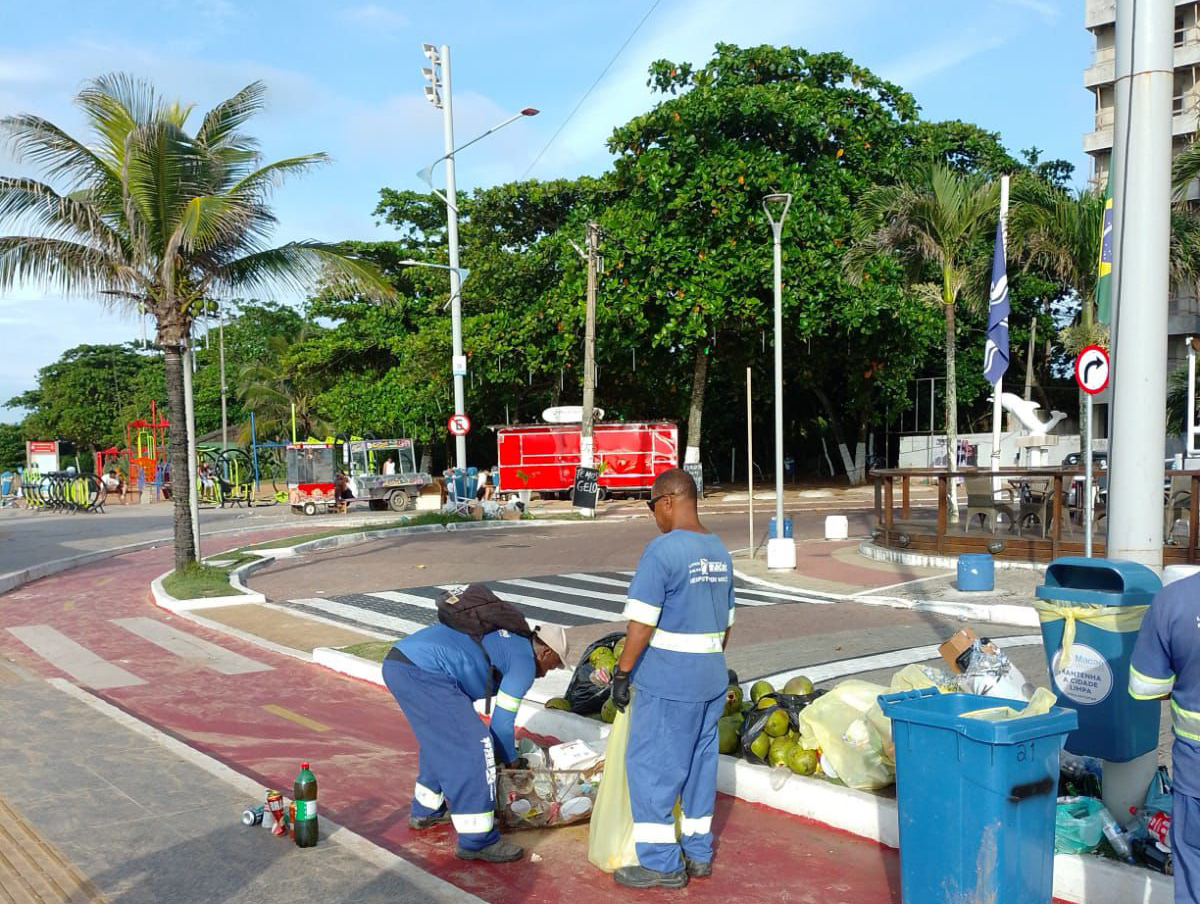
x,y
837,527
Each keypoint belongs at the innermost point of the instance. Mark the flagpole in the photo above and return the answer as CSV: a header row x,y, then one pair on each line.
x,y
997,408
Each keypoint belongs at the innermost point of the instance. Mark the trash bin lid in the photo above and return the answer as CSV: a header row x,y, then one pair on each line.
x,y
1103,582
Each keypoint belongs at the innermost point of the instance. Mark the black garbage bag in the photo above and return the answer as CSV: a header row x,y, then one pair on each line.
x,y
584,696
756,719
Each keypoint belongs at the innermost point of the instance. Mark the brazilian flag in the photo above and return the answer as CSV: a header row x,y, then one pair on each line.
x,y
1104,278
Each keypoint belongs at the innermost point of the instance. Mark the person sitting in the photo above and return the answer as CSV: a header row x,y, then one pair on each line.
x,y
484,486
113,485
342,492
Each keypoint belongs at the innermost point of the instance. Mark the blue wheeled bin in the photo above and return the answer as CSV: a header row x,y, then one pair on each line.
x,y
787,529
1094,597
975,798
976,571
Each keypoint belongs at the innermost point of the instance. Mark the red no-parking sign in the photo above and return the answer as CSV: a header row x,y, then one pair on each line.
x,y
459,424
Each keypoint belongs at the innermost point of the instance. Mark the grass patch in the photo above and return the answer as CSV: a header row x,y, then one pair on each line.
x,y
374,650
197,581
414,521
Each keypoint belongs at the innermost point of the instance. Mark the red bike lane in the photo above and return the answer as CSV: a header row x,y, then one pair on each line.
x,y
263,723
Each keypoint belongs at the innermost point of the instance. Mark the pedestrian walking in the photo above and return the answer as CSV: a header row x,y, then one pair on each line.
x,y
1165,664
680,611
436,675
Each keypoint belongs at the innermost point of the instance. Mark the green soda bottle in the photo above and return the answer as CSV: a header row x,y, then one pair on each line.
x,y
305,795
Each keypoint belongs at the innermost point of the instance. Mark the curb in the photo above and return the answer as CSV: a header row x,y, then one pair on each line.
x,y
869,550
987,613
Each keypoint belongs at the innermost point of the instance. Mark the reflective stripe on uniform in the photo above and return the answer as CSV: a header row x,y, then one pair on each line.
x,y
427,797
1185,722
473,823
1143,687
653,833
731,611
700,825
686,643
636,610
508,701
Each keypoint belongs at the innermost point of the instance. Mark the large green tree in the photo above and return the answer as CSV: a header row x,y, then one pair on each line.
x,y
148,214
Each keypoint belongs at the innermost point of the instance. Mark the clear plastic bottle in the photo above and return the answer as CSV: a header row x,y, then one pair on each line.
x,y
1117,838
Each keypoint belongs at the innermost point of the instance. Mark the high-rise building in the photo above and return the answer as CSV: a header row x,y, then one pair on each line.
x,y
1100,19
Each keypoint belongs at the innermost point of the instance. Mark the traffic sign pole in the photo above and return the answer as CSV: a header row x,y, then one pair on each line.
x,y
1092,375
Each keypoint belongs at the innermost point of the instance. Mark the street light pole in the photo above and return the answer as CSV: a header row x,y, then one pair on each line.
x,y
224,411
781,550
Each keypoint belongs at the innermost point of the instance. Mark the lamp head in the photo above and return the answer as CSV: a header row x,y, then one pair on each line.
x,y
530,111
773,201
430,51
431,95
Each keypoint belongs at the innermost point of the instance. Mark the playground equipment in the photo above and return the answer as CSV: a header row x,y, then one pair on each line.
x,y
144,459
64,491
226,477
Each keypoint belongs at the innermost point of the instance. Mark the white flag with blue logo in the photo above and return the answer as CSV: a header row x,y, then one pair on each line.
x,y
995,352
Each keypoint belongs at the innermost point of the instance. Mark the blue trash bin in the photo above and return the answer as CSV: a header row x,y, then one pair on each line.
x,y
1095,681
787,529
6,482
975,798
976,571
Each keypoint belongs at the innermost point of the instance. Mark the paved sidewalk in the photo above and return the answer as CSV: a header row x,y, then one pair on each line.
x,y
92,811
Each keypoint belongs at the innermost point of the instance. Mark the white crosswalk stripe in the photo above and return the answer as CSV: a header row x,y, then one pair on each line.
x,y
190,647
600,615
77,661
362,615
411,599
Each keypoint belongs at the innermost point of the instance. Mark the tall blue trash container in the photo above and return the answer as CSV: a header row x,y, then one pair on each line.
x,y
975,798
787,529
1104,601
976,572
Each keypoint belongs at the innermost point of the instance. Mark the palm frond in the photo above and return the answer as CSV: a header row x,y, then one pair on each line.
x,y
55,215
69,267
258,183
221,124
1185,169
59,156
298,265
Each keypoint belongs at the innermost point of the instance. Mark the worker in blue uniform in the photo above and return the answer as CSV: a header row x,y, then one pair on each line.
x,y
436,675
1166,663
680,609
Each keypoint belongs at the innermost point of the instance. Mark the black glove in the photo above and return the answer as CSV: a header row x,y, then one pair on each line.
x,y
620,689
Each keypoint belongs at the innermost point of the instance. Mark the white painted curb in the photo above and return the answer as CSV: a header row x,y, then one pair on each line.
x,y
869,550
164,600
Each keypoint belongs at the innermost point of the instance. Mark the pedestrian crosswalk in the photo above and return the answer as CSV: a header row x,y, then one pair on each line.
x,y
569,600
89,668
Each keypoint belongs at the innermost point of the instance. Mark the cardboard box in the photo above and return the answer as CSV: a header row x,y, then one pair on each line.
x,y
957,644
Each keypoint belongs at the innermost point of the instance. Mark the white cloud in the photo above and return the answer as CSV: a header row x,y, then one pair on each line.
x,y
934,59
1044,8
376,19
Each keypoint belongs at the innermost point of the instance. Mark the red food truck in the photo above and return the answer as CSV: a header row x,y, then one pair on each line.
x,y
542,458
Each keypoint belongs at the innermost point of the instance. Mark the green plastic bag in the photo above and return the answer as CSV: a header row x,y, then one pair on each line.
x,y
1078,827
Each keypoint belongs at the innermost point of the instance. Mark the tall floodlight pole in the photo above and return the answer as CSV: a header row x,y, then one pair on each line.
x,y
189,426
1141,179
781,550
224,389
438,93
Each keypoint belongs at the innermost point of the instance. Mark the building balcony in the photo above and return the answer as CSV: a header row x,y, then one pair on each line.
x,y
1103,68
1183,124
1099,12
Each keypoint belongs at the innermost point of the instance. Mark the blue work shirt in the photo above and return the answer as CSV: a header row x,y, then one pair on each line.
x,y
444,651
1166,660
683,587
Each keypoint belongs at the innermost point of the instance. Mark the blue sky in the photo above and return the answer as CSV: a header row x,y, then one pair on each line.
x,y
344,77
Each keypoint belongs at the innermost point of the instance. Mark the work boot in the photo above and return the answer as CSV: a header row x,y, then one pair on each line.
x,y
640,877
498,852
421,823
697,869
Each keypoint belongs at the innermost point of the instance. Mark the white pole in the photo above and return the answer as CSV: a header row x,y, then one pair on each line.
x,y
781,550
189,411
750,458
1192,429
1087,476
1141,237
224,410
460,442
586,441
997,408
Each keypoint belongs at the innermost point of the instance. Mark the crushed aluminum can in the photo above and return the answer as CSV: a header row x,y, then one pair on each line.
x,y
252,816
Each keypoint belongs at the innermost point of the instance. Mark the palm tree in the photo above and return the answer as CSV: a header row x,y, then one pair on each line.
x,y
935,220
154,217
274,390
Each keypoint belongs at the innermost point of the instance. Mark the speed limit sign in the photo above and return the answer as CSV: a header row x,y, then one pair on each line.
x,y
1091,369
459,424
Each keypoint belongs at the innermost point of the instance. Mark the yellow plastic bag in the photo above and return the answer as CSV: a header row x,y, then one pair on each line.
x,y
1039,704
852,734
610,834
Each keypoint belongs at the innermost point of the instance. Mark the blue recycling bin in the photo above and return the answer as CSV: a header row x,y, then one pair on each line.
x,y
975,798
976,571
1101,602
787,529
6,483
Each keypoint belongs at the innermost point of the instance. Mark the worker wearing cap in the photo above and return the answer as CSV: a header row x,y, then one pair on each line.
x,y
680,610
1166,663
436,675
